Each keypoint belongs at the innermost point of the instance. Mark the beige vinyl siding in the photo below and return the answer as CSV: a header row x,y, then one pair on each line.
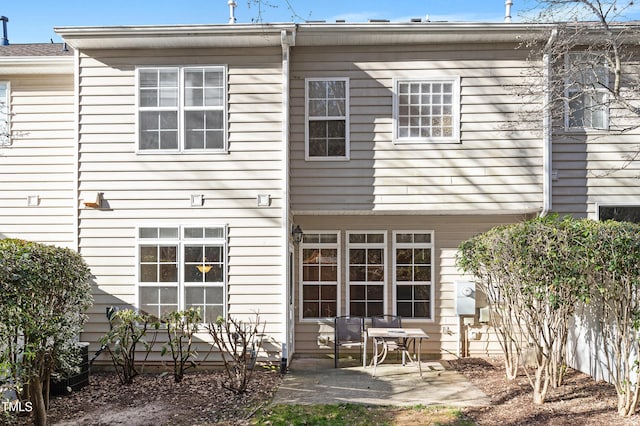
x,y
600,167
40,161
448,232
153,189
595,170
493,167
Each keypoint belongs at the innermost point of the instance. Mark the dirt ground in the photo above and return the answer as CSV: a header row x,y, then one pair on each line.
x,y
201,400
581,401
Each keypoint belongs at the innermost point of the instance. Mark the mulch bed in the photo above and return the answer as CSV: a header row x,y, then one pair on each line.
x,y
200,399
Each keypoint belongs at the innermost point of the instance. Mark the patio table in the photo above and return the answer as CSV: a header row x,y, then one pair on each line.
x,y
381,337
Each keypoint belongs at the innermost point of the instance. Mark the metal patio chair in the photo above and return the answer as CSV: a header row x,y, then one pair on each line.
x,y
399,344
349,333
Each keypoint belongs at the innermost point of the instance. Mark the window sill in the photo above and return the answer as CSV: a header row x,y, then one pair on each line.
x,y
150,152
327,159
426,141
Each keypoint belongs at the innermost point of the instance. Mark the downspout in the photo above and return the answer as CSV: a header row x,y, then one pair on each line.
x,y
76,153
547,127
286,221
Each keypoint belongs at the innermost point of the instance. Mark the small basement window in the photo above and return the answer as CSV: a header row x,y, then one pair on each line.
x,y
620,213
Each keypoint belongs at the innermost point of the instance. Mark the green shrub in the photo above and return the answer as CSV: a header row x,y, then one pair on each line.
x,y
44,294
180,327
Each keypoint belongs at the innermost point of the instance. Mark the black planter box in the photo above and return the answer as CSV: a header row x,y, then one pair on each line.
x,y
66,385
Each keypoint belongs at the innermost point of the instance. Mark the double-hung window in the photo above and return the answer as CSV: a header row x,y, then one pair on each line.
x,y
413,273
320,265
426,110
366,272
181,268
182,109
5,137
327,122
586,93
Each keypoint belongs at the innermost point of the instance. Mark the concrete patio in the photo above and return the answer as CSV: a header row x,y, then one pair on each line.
x,y
315,381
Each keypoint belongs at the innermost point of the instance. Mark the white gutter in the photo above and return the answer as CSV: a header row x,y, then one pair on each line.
x,y
547,127
286,222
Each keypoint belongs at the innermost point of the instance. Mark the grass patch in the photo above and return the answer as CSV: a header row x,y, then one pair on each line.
x,y
358,415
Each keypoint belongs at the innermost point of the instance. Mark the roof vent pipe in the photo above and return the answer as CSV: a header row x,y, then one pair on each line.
x,y
232,6
4,40
507,14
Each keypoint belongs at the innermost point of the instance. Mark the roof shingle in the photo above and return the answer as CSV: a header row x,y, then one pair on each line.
x,y
36,49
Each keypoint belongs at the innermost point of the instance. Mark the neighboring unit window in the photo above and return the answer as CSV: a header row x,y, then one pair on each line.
x,y
426,110
413,274
620,213
182,109
4,114
327,127
366,273
586,104
180,268
319,275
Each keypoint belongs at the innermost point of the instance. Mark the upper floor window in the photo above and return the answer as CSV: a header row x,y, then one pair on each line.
x,y
426,110
5,137
586,93
182,109
327,123
181,268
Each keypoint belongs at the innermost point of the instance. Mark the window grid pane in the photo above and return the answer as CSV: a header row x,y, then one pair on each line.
x,y
586,93
192,266
319,276
327,109
413,274
366,273
196,123
425,110
204,102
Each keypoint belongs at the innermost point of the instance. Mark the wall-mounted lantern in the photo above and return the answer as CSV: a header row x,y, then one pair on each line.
x,y
297,233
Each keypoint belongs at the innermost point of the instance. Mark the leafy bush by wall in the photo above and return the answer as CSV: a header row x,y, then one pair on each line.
x,y
44,294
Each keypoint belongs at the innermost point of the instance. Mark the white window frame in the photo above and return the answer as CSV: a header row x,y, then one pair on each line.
x,y
5,115
571,91
348,282
455,109
301,280
181,109
345,118
181,241
430,283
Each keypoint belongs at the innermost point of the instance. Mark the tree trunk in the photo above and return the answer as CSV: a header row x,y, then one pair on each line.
x,y
37,399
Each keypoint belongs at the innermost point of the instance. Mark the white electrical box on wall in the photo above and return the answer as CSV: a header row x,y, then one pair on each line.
x,y
465,298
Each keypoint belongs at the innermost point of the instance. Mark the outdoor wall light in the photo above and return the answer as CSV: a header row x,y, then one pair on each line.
x,y
94,202
297,233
